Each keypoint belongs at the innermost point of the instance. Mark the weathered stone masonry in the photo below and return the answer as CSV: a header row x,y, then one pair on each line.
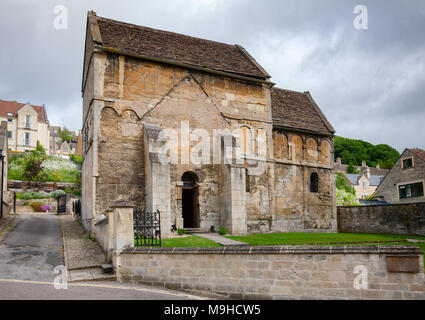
x,y
125,93
295,272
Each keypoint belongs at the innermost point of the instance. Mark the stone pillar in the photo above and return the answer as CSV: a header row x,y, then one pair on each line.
x,y
121,230
158,181
233,199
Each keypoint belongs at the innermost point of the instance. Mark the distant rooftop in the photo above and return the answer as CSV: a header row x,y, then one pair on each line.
x,y
12,107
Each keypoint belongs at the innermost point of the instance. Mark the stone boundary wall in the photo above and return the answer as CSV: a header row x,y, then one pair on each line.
x,y
23,186
288,272
405,219
53,203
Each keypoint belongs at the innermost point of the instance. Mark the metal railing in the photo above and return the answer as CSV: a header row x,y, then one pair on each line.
x,y
147,229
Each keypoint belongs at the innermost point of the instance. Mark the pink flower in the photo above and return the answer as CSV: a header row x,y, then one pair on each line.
x,y
45,208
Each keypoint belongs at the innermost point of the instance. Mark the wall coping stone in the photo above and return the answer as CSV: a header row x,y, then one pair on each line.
x,y
383,205
123,204
398,250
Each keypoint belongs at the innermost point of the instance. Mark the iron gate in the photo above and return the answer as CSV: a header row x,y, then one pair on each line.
x,y
147,229
62,204
76,207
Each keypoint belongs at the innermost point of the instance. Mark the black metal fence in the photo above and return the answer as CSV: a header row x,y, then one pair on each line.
x,y
62,204
76,207
147,229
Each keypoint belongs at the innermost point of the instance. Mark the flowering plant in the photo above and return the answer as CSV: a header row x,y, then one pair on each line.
x,y
45,208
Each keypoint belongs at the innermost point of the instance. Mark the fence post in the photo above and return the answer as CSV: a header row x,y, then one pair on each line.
x,y
122,231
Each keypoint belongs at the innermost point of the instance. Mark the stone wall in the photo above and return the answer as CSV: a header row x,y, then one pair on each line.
x,y
389,188
24,186
406,219
279,272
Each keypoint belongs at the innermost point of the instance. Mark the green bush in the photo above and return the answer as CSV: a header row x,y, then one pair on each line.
x,y
76,159
181,232
35,195
222,231
36,206
26,203
57,193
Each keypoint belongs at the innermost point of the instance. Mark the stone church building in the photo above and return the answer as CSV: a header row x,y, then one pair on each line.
x,y
138,82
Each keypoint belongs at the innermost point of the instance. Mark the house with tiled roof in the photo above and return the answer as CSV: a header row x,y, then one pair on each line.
x,y
406,180
364,184
26,123
365,181
246,155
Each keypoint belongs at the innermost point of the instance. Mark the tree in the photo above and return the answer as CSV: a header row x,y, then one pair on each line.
x,y
65,134
357,151
351,168
33,165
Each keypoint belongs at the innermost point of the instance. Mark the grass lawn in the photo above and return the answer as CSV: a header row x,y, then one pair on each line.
x,y
188,242
318,238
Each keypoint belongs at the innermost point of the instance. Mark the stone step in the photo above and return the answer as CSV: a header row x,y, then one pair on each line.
x,y
107,268
90,274
195,230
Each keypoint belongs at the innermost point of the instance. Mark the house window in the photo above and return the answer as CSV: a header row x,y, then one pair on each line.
x,y
364,185
9,134
27,121
314,183
9,120
412,190
408,163
27,139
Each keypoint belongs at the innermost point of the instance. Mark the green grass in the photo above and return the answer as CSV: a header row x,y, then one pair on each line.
x,y
319,238
188,242
59,173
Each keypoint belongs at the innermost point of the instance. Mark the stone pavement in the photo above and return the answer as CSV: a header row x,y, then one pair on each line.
x,y
80,252
6,224
220,239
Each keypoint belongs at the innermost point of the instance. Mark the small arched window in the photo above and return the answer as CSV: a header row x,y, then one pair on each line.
x,y
314,183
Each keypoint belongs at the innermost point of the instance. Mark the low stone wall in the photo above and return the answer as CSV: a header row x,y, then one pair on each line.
x,y
405,219
289,272
23,186
53,203
22,208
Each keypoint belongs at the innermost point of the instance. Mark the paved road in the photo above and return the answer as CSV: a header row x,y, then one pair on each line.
x,y
31,252
33,249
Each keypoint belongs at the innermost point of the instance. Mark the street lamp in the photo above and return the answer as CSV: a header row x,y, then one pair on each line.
x,y
2,180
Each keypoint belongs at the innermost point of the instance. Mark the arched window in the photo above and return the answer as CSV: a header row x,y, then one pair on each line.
x,y
314,183
246,141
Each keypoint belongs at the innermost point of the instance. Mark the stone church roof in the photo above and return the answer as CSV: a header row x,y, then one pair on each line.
x,y
298,111
171,47
13,107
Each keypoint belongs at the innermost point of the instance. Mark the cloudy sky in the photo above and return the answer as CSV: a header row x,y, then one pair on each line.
x,y
369,83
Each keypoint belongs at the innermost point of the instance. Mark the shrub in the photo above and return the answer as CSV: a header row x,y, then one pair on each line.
x,y
222,231
45,208
36,206
76,159
26,203
34,195
181,232
57,193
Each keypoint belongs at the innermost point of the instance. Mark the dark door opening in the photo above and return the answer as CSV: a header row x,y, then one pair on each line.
x,y
188,208
190,205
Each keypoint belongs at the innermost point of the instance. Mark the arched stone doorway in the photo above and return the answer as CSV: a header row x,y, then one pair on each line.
x,y
190,201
